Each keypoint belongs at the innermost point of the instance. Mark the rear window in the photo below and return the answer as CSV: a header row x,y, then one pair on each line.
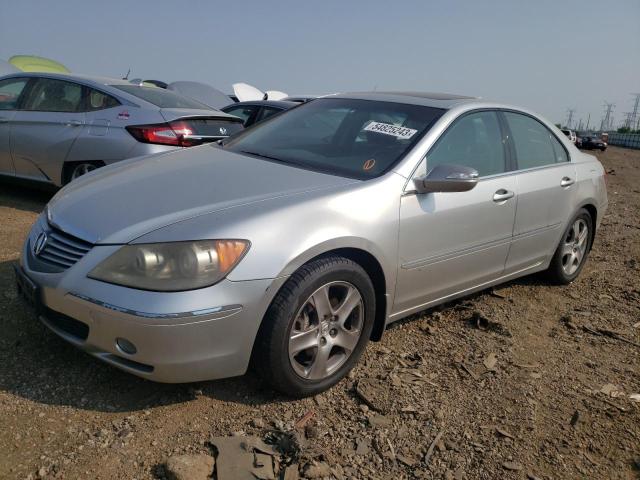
x,y
160,97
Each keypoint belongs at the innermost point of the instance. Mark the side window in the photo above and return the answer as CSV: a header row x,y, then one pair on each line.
x,y
558,149
243,112
10,90
475,141
97,100
49,95
266,112
532,141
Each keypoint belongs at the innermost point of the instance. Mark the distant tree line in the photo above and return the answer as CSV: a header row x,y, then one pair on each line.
x,y
627,130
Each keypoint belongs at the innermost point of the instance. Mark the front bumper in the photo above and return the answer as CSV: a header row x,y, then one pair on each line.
x,y
178,337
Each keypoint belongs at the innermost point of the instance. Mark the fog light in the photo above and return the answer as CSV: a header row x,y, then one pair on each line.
x,y
126,346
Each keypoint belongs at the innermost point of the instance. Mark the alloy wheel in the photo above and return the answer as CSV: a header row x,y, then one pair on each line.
x,y
574,246
326,330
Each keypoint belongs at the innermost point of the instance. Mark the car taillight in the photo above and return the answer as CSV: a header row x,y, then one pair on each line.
x,y
163,133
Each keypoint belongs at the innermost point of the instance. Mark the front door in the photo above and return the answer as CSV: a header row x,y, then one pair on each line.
x,y
10,91
450,242
44,130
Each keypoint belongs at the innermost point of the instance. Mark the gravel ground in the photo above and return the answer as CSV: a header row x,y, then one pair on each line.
x,y
525,381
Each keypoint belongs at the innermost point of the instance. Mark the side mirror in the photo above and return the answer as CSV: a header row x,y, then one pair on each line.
x,y
447,178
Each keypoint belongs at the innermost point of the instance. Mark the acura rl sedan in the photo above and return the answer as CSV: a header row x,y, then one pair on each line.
x,y
56,127
292,244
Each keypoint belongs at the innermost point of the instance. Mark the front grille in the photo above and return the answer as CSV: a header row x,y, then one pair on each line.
x,y
63,250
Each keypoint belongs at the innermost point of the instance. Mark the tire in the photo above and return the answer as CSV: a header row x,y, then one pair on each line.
x,y
73,170
571,254
292,320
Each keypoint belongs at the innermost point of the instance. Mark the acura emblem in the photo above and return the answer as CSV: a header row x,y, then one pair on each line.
x,y
40,243
223,131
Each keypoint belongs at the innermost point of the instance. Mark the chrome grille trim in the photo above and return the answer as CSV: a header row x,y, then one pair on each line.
x,y
63,250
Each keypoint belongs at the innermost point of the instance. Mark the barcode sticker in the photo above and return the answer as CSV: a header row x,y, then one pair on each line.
x,y
388,129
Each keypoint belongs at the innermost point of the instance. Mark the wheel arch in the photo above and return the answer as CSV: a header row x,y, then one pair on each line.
x,y
364,255
591,208
375,272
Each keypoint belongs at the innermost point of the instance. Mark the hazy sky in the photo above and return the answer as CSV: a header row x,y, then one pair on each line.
x,y
545,55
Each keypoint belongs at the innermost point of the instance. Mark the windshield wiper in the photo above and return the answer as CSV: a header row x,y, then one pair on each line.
x,y
262,155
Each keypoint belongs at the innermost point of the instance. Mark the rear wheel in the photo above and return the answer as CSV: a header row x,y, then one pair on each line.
x,y
75,170
571,254
317,327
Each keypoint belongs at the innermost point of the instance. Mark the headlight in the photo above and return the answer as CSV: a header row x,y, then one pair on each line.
x,y
171,267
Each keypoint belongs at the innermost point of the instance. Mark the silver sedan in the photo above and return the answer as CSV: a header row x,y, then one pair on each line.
x,y
294,243
57,127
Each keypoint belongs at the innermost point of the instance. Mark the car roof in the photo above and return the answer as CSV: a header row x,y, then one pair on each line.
x,y
74,76
265,103
427,99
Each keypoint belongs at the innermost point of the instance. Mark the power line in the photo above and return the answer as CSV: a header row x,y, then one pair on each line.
x,y
570,112
607,120
635,117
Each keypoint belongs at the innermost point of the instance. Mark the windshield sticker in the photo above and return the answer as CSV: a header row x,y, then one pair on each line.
x,y
368,165
388,129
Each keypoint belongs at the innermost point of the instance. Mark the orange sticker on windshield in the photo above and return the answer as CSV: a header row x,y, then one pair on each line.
x,y
368,165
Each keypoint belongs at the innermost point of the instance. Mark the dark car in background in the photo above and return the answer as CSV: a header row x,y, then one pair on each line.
x,y
591,142
252,112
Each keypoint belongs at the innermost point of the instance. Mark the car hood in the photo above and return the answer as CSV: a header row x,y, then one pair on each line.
x,y
119,203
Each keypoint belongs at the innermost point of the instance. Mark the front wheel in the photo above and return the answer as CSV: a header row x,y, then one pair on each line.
x,y
317,327
571,254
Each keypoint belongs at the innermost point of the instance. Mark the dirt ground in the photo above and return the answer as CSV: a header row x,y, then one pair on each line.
x,y
525,381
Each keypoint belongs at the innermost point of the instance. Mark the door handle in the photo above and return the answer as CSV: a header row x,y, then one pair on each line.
x,y
3,120
567,182
502,195
74,123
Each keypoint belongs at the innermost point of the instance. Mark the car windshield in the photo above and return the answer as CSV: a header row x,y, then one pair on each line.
x,y
348,137
160,97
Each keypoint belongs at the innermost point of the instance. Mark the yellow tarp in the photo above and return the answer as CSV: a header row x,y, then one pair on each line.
x,y
30,63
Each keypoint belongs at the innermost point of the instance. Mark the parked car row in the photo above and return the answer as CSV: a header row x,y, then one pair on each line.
x,y
587,142
291,244
591,142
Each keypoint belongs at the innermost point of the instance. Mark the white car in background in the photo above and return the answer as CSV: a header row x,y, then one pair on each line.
x,y
570,134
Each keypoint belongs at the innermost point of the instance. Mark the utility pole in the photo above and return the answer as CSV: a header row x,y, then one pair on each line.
x,y
607,120
635,118
588,120
628,123
570,112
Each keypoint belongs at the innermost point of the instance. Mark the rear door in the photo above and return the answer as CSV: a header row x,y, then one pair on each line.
x,y
450,242
46,127
103,137
10,95
546,186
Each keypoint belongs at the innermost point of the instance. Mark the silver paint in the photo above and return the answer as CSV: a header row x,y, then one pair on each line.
x,y
430,247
